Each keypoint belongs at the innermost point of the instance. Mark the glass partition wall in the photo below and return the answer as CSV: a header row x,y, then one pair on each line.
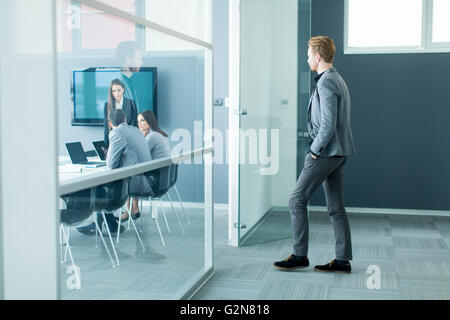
x,y
137,56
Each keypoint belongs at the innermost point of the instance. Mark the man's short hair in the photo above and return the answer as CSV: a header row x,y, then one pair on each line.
x,y
116,116
324,46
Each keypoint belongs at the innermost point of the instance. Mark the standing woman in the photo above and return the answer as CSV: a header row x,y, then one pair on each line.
x,y
116,100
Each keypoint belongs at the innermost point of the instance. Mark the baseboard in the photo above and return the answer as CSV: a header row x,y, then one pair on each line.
x,y
189,205
413,212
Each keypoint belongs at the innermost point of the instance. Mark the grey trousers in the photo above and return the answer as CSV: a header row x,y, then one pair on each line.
x,y
329,172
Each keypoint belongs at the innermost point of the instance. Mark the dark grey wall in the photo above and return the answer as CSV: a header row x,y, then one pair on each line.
x,y
400,122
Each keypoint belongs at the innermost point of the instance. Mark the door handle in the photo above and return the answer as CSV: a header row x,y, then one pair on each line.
x,y
241,112
302,134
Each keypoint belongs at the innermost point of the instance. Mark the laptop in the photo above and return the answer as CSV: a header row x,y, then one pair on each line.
x,y
77,156
99,146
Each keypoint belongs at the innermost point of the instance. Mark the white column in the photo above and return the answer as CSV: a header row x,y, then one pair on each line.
x,y
28,143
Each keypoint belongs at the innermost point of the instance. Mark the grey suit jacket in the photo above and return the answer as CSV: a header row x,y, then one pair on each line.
x,y
329,117
127,147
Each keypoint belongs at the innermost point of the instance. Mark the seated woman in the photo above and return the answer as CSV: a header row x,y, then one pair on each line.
x,y
116,100
157,139
157,142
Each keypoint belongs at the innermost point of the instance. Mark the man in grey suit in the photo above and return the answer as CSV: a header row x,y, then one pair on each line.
x,y
328,120
127,146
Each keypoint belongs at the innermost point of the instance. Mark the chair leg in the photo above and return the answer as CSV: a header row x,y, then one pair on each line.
x,y
137,234
173,209
68,239
103,240
96,237
119,221
181,202
129,212
164,214
61,244
156,220
110,238
142,215
75,269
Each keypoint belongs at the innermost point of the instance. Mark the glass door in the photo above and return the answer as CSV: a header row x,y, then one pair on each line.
x,y
269,142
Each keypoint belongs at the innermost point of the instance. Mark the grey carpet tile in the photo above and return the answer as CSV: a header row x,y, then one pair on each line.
x,y
422,282
413,225
319,237
216,289
370,230
359,277
293,290
364,294
445,234
441,254
307,275
420,294
409,266
377,241
82,294
409,218
419,243
238,269
372,251
409,233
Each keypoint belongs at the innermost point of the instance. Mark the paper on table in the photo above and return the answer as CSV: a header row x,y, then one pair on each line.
x,y
69,168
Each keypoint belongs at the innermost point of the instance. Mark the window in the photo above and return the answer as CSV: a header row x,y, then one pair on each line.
x,y
396,26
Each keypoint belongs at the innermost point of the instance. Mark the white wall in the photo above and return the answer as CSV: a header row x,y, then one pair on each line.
x,y
28,150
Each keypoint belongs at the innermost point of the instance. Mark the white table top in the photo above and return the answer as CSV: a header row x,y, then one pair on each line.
x,y
67,170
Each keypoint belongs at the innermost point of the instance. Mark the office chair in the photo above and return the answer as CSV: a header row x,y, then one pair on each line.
x,y
173,181
79,207
110,197
158,181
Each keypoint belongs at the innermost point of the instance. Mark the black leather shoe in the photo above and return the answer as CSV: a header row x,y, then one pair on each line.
x,y
134,216
335,266
113,228
292,262
89,229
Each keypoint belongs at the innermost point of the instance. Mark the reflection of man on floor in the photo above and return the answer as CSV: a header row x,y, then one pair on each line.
x,y
127,147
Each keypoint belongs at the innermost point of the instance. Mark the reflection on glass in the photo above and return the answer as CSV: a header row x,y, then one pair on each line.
x,y
131,101
189,17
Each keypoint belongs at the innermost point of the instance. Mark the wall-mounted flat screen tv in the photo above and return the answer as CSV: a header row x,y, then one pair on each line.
x,y
90,92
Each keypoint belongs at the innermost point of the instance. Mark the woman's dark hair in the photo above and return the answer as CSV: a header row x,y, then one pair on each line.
x,y
111,101
149,116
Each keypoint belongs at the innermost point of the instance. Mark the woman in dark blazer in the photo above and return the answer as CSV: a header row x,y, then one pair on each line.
x,y
116,100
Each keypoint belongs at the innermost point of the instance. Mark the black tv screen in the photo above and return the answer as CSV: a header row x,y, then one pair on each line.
x,y
90,92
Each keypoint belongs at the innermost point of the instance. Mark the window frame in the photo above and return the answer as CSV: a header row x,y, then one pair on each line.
x,y
427,45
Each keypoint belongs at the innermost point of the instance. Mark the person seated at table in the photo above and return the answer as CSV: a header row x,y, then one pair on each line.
x,y
157,142
117,100
157,139
127,147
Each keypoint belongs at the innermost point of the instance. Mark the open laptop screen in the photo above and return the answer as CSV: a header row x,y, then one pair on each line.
x,y
99,147
76,152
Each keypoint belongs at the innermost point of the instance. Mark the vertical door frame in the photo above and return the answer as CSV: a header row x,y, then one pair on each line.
x,y
233,120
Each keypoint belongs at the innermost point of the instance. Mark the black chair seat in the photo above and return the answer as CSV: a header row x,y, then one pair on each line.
x,y
79,207
111,196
